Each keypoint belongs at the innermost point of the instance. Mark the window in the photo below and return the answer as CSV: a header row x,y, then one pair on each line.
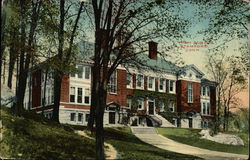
x,y
190,92
80,115
128,102
171,106
162,84
87,118
87,72
140,103
139,81
151,83
205,108
161,106
72,116
80,70
113,83
87,96
208,108
203,91
171,86
72,94
129,80
79,95
208,91
72,75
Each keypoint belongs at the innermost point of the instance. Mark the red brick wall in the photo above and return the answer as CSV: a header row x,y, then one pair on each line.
x,y
181,91
65,89
36,88
122,91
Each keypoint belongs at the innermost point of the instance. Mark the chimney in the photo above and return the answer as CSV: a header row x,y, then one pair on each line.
x,y
152,50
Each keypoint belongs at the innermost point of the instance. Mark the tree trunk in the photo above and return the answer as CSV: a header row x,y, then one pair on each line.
x,y
57,95
99,122
12,59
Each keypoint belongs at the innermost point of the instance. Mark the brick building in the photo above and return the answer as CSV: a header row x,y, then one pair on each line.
x,y
136,96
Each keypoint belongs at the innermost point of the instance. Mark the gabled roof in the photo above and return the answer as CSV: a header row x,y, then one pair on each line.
x,y
192,67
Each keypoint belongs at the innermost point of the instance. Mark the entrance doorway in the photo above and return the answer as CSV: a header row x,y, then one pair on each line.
x,y
111,117
190,122
151,106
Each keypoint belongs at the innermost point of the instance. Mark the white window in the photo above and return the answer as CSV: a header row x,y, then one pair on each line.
x,y
203,90
205,107
129,80
190,93
161,106
79,95
87,96
80,71
139,81
113,83
171,106
208,108
162,85
87,72
128,102
72,94
151,83
140,104
171,86
208,91
72,116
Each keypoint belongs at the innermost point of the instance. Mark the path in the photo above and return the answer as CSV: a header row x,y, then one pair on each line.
x,y
110,152
150,136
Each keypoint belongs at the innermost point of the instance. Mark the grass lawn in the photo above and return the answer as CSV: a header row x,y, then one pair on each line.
x,y
130,147
35,137
192,137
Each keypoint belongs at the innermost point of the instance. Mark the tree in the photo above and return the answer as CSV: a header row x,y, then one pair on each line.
x,y
64,56
121,28
228,73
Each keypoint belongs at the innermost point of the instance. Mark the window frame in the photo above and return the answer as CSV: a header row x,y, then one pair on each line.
x,y
142,104
130,85
153,83
70,94
142,81
164,85
190,93
113,83
74,117
87,76
174,85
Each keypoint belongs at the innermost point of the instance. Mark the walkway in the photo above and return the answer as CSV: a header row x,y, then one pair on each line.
x,y
150,136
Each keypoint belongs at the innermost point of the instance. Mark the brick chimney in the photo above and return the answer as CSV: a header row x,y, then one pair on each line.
x,y
152,50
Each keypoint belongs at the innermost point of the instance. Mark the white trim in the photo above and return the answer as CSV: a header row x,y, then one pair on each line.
x,y
130,86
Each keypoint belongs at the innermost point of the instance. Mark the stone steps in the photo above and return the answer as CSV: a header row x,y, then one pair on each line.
x,y
165,123
143,130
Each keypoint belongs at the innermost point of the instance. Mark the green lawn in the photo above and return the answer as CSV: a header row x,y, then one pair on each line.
x,y
130,147
192,137
33,136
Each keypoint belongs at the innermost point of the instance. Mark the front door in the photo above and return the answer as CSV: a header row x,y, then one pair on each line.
x,y
190,122
151,107
111,117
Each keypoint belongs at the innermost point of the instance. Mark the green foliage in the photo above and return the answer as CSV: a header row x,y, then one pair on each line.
x,y
32,136
157,96
239,120
192,137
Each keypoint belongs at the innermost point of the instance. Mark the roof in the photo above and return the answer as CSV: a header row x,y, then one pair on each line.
x,y
192,67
